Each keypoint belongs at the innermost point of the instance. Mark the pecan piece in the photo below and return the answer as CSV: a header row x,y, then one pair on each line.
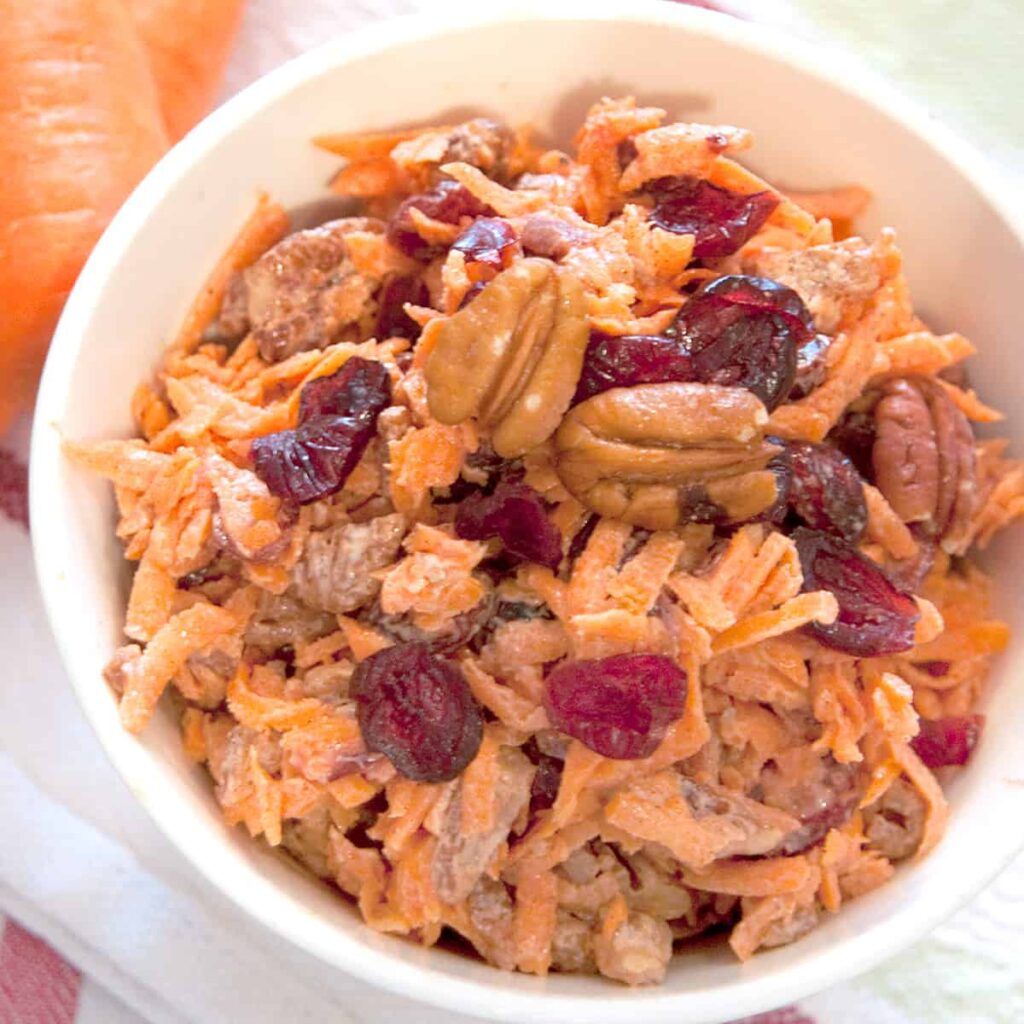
x,y
512,357
924,458
657,455
301,294
833,280
483,142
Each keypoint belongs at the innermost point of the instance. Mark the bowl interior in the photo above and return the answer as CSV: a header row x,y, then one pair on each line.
x,y
964,263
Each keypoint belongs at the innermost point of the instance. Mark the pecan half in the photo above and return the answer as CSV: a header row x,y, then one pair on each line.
x,y
924,458
657,455
512,357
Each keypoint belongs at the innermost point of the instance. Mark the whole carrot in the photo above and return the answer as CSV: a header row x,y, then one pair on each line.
x,y
79,126
189,42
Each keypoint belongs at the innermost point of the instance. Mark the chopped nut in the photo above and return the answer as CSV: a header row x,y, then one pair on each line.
x,y
657,455
512,357
924,458
334,573
482,142
302,293
637,952
833,280
905,455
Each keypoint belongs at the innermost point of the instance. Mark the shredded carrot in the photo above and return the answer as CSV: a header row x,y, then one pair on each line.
x,y
533,926
265,226
819,606
541,851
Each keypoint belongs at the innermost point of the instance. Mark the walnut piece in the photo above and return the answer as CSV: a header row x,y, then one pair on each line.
x,y
924,459
483,142
657,455
833,280
637,952
300,294
334,573
512,357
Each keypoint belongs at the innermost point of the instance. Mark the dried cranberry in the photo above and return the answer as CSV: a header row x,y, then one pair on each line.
x,y
948,741
621,362
392,319
720,220
447,201
875,617
826,490
515,514
810,365
418,710
620,706
356,390
546,779
337,418
488,240
780,466
936,669
854,436
744,332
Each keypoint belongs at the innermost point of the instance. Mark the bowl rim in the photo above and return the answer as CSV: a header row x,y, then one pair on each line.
x,y
249,889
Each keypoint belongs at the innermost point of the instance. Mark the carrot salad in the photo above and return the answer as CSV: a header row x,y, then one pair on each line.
x,y
567,552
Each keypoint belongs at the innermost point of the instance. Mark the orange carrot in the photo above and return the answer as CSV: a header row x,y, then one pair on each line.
x,y
79,126
188,42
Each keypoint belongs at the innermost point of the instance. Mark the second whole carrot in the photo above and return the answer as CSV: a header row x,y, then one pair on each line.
x,y
188,42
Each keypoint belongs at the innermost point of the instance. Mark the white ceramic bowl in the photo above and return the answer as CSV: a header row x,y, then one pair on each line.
x,y
818,122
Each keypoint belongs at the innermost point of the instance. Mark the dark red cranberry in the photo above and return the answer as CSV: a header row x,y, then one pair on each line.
x,y
392,319
488,240
516,515
356,390
720,220
621,706
948,741
826,490
621,362
418,710
875,617
811,363
447,201
546,779
936,669
744,332
337,419
854,436
780,466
